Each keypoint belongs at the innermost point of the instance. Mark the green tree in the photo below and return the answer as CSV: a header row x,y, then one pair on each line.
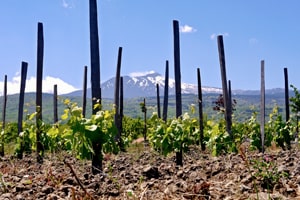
x,y
295,104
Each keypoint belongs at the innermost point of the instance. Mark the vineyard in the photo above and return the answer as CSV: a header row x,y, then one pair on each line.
x,y
228,167
108,155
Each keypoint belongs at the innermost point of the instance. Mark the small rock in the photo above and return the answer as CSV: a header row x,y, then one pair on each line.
x,y
16,178
69,181
47,189
168,182
19,188
94,185
171,189
86,176
6,196
298,179
53,197
65,189
245,188
19,197
180,173
40,195
114,192
151,172
247,179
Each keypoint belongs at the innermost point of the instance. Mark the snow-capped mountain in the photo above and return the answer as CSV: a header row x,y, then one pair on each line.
x,y
145,86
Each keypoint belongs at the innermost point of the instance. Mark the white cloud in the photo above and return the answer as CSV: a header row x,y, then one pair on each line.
x,y
214,35
13,86
187,29
135,74
67,4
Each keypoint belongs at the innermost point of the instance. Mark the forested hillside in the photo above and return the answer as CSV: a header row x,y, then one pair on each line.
x,y
246,104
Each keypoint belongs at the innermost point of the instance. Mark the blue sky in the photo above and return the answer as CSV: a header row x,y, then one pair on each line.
x,y
253,31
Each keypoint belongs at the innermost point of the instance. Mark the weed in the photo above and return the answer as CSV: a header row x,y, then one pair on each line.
x,y
141,179
267,172
246,160
53,179
3,185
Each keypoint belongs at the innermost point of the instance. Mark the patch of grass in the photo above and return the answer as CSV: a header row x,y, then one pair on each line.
x,y
9,148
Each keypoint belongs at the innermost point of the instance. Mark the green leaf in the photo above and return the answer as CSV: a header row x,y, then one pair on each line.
x,y
31,116
64,116
91,128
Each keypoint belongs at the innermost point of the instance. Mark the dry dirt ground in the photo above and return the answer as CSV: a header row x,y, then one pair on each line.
x,y
144,174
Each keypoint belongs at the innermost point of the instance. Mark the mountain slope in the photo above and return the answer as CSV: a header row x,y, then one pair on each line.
x,y
145,86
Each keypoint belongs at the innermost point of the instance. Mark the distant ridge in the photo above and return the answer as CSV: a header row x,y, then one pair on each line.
x,y
145,86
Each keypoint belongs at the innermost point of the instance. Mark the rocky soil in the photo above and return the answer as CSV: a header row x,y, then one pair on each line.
x,y
144,174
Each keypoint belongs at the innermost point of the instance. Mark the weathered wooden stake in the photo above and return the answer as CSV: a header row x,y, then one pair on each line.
x,y
121,107
3,114
95,80
166,92
200,107
39,85
84,91
117,98
145,122
55,115
95,55
262,107
224,84
177,81
158,101
287,98
24,67
230,99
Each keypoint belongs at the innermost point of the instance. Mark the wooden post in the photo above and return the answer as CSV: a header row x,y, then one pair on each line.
x,y
95,80
95,55
84,91
121,107
4,102
287,98
177,81
145,123
230,99
224,84
166,92
158,100
55,116
200,106
3,114
39,82
117,98
262,107
24,67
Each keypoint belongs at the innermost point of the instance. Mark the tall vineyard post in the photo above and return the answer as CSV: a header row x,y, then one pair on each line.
x,y
200,107
144,110
24,67
121,108
3,114
262,107
286,95
55,115
95,79
117,98
224,84
177,81
230,99
39,86
158,100
166,92
84,91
